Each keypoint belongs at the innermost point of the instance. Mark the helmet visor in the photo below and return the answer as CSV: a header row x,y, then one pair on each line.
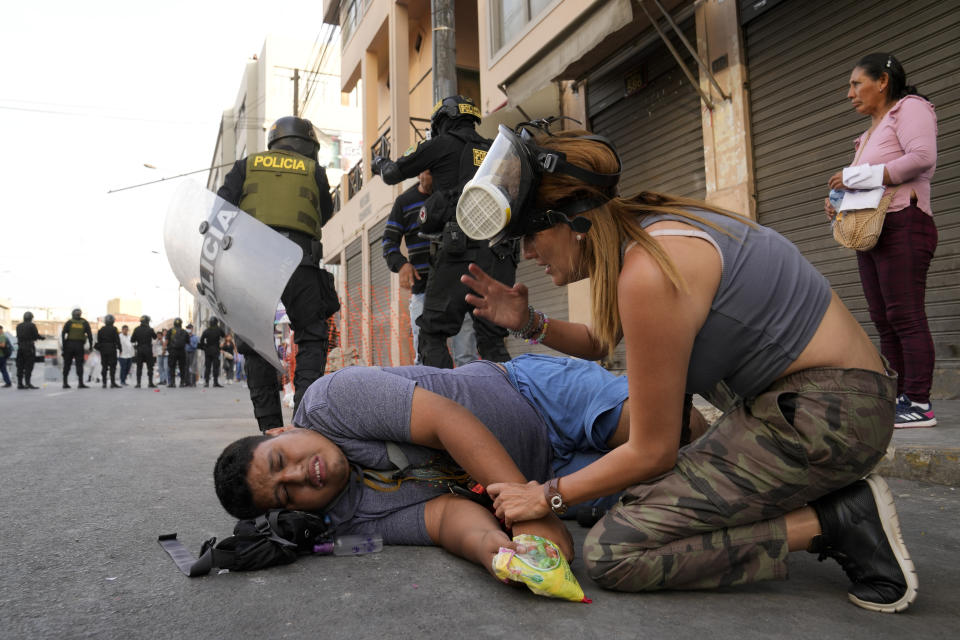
x,y
492,202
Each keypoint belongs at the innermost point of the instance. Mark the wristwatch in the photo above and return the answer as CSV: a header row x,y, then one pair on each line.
x,y
551,491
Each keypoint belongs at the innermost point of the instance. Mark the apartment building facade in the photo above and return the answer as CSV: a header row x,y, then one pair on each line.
x,y
741,103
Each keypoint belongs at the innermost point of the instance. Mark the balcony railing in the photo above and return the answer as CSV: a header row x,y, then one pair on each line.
x,y
335,195
355,180
381,146
420,135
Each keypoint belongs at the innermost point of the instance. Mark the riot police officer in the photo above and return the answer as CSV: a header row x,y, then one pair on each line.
x,y
108,344
142,338
210,343
27,336
177,338
74,331
286,188
452,154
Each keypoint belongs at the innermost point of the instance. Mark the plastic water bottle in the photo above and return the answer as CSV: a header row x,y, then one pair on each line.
x,y
836,197
351,545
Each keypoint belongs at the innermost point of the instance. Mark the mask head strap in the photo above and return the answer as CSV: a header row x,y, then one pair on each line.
x,y
552,161
569,215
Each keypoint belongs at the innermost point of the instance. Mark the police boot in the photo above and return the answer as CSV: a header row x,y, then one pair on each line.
x,y
20,382
29,384
137,386
433,351
216,382
104,381
66,385
150,381
113,381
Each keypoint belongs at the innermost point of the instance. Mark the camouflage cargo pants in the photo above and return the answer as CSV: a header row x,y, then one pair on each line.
x,y
716,519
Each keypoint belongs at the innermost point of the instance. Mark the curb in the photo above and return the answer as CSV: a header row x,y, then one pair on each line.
x,y
938,465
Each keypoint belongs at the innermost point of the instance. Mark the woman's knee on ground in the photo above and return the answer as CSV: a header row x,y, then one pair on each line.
x,y
622,557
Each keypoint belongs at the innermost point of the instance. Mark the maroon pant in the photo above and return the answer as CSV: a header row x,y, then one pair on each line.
x,y
894,277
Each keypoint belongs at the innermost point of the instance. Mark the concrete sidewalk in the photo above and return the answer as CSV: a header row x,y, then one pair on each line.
x,y
925,455
928,455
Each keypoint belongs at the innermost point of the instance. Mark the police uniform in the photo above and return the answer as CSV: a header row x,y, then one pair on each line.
x,y
452,155
108,344
142,338
289,192
210,343
27,335
177,338
74,332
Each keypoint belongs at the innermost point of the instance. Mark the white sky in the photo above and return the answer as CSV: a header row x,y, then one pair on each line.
x,y
89,92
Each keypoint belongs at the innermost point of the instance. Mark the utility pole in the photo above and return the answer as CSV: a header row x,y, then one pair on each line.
x,y
296,92
444,49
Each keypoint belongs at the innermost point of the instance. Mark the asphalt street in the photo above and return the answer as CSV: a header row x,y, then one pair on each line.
x,y
91,477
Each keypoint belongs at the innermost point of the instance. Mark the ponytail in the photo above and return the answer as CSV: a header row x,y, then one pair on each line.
x,y
877,64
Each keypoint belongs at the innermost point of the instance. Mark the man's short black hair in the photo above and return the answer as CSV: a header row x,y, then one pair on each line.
x,y
230,477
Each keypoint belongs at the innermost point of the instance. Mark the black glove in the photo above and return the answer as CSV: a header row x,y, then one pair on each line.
x,y
376,163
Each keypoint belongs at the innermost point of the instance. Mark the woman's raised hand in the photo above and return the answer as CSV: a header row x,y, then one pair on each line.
x,y
494,301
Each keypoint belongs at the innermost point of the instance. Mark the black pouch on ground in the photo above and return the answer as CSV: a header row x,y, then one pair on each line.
x,y
277,537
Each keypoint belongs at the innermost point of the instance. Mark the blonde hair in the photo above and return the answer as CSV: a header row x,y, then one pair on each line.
x,y
612,224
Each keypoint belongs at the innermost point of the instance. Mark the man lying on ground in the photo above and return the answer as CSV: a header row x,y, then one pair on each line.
x,y
527,419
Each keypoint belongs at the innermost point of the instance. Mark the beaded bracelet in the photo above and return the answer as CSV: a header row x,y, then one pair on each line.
x,y
543,332
527,328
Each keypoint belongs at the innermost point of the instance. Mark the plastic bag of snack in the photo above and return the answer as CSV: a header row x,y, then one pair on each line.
x,y
538,563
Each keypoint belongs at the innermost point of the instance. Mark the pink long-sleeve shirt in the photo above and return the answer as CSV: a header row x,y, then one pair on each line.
x,y
906,142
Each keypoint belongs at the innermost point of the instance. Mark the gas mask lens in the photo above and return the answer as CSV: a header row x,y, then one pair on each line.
x,y
492,198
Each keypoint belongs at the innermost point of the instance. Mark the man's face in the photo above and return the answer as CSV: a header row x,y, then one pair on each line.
x,y
125,330
298,469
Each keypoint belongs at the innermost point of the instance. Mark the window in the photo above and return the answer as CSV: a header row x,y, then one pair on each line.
x,y
511,17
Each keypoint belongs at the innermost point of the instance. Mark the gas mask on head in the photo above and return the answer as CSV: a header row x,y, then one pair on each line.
x,y
498,203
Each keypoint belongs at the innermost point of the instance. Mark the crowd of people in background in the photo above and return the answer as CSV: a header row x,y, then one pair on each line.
x,y
95,357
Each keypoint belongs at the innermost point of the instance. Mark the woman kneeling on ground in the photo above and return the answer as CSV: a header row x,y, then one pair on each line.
x,y
704,300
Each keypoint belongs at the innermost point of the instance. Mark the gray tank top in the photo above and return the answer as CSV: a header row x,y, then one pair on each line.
x,y
768,306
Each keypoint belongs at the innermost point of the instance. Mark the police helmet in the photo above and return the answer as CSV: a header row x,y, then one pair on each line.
x,y
75,314
108,319
452,108
28,316
144,319
177,322
291,127
214,322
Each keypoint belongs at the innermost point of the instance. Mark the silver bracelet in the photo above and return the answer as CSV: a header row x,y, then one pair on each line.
x,y
521,333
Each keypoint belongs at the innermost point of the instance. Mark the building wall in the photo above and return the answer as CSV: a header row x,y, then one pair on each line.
x,y
125,307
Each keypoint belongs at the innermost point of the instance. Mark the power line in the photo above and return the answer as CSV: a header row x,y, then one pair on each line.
x,y
189,173
323,56
101,115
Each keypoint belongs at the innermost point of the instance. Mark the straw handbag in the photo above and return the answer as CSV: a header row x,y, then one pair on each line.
x,y
859,229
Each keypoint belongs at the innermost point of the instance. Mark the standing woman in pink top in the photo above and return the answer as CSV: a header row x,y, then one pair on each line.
x,y
901,148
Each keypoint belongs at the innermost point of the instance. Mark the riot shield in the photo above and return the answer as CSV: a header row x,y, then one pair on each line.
x,y
235,263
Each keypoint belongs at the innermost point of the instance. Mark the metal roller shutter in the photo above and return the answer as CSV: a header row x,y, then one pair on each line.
x,y
657,129
379,297
800,56
352,321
